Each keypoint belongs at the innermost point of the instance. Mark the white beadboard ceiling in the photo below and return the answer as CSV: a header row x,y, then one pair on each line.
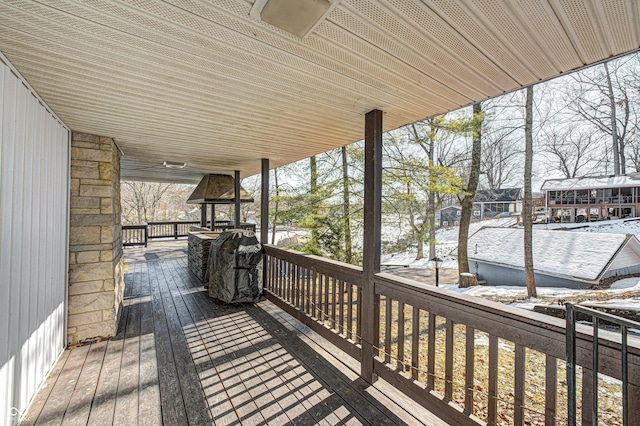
x,y
201,82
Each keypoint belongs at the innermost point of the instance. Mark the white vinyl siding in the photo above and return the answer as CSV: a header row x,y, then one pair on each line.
x,y
628,256
34,192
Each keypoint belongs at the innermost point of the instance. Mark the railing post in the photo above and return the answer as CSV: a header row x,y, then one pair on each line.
x,y
146,234
175,230
236,180
571,365
370,317
264,203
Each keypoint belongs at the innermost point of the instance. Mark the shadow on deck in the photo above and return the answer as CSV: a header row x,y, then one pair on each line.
x,y
181,358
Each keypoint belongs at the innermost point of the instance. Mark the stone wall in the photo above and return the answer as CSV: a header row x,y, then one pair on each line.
x,y
96,269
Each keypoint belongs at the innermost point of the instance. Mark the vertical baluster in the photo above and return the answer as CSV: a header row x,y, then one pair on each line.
x,y
333,303
470,346
278,276
594,405
314,296
448,363
341,307
307,280
350,311
267,272
387,329
493,380
518,398
400,364
359,316
283,279
415,342
625,376
326,298
587,396
431,351
291,284
318,310
288,283
551,367
299,289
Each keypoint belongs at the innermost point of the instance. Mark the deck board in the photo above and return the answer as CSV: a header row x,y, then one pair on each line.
x,y
182,358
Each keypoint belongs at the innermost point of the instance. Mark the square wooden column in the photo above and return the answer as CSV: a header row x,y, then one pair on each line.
x,y
264,203
370,314
236,181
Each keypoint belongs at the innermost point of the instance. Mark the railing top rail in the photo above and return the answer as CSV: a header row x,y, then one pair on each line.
x,y
171,222
134,226
310,261
605,316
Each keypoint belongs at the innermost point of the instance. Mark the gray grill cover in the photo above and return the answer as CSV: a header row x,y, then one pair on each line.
x,y
235,267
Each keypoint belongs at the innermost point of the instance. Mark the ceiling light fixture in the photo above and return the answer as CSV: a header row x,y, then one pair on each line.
x,y
298,17
174,165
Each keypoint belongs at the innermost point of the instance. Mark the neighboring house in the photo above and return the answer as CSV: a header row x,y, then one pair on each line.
x,y
487,204
493,202
591,199
449,216
561,258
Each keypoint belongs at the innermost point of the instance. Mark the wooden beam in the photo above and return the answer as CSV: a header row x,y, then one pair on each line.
x,y
264,203
236,181
370,318
203,215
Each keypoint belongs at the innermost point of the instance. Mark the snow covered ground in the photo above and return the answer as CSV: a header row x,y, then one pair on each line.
x,y
613,295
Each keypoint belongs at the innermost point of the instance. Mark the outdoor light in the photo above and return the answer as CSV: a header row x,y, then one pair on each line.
x,y
298,17
438,263
174,165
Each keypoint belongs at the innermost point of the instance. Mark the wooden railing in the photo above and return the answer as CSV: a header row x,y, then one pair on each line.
x,y
323,294
466,359
134,235
170,229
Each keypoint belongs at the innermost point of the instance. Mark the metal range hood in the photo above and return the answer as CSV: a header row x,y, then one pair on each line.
x,y
217,189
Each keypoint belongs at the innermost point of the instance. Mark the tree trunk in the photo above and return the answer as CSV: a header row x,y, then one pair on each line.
x,y
346,208
313,195
431,217
275,209
614,128
470,191
527,208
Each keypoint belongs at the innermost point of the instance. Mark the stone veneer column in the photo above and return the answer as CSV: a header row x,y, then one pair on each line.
x,y
96,277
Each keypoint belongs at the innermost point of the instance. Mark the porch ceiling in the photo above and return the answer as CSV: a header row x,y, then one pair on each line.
x,y
201,82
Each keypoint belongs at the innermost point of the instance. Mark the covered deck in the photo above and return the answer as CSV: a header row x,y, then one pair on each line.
x,y
181,358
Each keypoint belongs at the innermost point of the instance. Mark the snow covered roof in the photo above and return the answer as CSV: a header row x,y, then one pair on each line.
x,y
497,195
591,182
579,255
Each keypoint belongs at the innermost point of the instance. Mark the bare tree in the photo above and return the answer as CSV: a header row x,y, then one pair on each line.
x,y
601,98
470,191
527,210
574,150
501,137
140,200
346,207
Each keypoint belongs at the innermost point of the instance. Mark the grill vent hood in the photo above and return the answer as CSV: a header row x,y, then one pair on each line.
x,y
217,189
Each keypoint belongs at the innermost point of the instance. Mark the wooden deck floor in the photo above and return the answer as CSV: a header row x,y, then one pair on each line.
x,y
180,358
